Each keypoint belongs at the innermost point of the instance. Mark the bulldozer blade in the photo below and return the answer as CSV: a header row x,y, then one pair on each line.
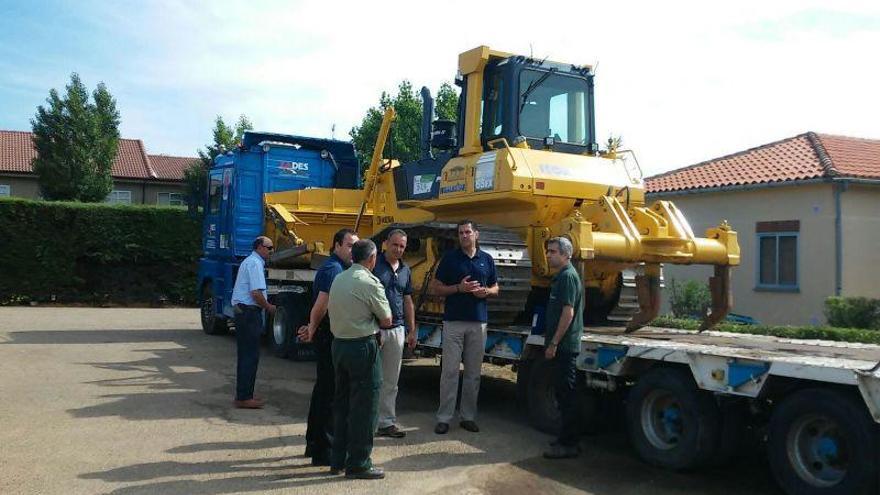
x,y
648,292
722,297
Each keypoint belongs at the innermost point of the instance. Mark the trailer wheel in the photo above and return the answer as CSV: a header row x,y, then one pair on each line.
x,y
821,441
542,403
523,374
672,424
212,323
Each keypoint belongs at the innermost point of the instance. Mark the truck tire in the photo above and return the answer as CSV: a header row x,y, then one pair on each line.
x,y
822,442
543,406
672,424
292,312
212,323
523,374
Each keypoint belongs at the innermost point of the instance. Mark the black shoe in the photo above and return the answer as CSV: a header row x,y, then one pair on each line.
x,y
308,451
469,426
336,471
441,428
373,473
561,452
390,431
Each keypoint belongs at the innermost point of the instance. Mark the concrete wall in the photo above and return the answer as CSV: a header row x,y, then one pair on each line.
x,y
860,205
811,204
27,187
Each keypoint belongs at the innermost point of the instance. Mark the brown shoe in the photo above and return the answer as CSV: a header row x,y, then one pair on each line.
x,y
249,404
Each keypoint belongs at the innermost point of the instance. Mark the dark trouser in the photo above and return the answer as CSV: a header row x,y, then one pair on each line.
x,y
356,404
566,396
248,328
319,432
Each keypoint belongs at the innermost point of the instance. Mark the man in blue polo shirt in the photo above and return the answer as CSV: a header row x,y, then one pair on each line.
x,y
465,277
396,278
319,431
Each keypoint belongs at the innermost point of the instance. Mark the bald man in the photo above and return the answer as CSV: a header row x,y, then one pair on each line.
x,y
249,301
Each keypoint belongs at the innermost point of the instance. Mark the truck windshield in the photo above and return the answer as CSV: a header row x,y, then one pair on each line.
x,y
554,105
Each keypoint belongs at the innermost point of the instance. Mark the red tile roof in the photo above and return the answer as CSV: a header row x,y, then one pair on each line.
x,y
802,157
132,162
170,167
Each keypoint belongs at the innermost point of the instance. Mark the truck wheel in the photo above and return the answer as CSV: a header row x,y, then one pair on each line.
x,y
542,403
523,374
672,424
821,441
292,312
212,323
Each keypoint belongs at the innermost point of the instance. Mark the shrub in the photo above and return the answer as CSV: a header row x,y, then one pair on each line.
x,y
689,299
791,332
853,312
96,253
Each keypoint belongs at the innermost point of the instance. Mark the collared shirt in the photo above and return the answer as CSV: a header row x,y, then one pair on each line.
x,y
251,276
357,302
457,265
397,284
566,289
327,273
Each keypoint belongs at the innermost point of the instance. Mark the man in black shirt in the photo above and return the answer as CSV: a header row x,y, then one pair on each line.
x,y
465,277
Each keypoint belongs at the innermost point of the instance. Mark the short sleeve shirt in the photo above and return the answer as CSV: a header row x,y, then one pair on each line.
x,y
566,289
357,302
456,265
251,276
327,273
397,284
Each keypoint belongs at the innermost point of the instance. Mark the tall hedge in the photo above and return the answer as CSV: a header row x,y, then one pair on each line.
x,y
96,253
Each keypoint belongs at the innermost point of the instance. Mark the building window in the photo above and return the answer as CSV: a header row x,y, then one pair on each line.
x,y
5,190
119,198
170,199
778,255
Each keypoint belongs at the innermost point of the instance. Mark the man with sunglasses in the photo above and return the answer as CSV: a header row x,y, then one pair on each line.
x,y
249,301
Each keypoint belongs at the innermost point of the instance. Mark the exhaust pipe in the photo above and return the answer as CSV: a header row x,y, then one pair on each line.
x,y
427,118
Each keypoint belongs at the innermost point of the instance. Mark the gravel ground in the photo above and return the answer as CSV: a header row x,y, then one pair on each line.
x,y
131,401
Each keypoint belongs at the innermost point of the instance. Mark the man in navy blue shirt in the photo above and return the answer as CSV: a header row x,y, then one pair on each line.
x,y
319,432
396,278
465,277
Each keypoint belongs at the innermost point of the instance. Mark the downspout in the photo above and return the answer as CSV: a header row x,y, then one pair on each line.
x,y
839,188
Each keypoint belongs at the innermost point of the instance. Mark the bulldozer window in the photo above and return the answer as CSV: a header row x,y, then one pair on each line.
x,y
492,107
557,107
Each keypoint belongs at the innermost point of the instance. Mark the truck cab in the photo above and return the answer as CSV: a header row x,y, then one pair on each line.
x,y
234,206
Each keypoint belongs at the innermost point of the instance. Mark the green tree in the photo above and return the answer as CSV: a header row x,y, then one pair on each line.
x,y
403,144
225,138
76,141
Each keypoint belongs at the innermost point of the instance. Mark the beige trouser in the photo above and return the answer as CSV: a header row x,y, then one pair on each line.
x,y
463,342
391,353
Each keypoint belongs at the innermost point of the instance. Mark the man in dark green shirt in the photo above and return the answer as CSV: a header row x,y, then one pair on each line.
x,y
564,325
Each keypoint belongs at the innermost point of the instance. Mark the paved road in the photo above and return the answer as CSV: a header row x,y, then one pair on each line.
x,y
137,401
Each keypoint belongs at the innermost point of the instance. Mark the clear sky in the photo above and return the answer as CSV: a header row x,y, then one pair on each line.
x,y
682,82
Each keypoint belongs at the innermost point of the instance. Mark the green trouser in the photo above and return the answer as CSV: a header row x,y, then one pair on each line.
x,y
356,403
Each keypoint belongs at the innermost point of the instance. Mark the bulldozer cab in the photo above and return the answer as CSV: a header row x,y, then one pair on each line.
x,y
541,104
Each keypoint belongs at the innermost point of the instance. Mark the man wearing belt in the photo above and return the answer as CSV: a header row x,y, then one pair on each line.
x,y
319,431
358,307
564,325
249,301
396,278
465,277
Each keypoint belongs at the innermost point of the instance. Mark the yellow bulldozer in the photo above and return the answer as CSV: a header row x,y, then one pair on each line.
x,y
523,162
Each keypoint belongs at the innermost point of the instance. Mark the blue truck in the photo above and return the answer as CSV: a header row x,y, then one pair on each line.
x,y
234,212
